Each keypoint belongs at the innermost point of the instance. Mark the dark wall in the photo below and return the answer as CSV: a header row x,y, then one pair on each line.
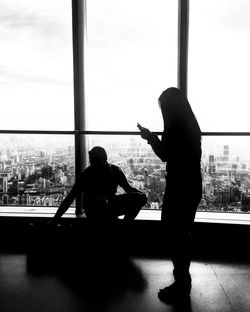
x,y
142,238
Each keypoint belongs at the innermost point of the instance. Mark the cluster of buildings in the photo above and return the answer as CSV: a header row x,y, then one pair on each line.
x,y
226,179
226,183
42,177
35,177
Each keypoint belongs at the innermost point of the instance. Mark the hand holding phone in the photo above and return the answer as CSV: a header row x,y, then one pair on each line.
x,y
145,133
139,126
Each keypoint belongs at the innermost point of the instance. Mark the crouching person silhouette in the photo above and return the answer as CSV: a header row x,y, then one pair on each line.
x,y
98,183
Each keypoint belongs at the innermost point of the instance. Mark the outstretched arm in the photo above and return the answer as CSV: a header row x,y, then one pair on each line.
x,y
155,143
66,203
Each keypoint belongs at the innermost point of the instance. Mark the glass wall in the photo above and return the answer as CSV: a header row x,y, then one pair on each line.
x,y
135,157
226,174
36,170
36,65
225,170
219,64
131,57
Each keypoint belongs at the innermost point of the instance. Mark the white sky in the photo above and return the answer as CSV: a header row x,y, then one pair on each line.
x,y
36,86
219,64
131,57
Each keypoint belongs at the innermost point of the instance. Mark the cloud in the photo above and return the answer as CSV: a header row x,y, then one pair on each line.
x,y
18,19
8,76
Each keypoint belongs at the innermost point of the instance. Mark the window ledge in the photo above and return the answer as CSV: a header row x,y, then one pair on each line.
x,y
145,214
204,217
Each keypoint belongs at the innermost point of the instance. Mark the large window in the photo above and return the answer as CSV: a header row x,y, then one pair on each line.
x,y
219,64
36,72
36,170
132,50
131,57
226,174
218,91
36,89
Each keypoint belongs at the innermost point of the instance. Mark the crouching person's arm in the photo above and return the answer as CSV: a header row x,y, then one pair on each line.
x,y
129,189
65,205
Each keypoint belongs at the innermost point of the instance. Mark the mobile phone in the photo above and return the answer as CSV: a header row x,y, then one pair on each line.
x,y
139,126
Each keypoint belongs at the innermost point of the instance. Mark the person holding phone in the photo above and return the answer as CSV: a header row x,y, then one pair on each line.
x,y
180,148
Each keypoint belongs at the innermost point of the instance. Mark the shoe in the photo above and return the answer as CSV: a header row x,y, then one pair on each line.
x,y
174,293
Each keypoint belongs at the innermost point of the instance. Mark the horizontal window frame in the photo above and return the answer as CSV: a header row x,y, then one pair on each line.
x,y
98,132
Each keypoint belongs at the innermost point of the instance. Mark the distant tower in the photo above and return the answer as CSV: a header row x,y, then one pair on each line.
x,y
32,169
5,185
234,169
211,168
27,199
15,187
5,199
27,172
226,152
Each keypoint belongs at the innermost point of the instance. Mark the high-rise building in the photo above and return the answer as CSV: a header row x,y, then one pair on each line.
x,y
27,172
32,169
5,185
15,187
5,199
212,168
226,152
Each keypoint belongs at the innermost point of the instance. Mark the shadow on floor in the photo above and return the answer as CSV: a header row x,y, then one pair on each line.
x,y
94,269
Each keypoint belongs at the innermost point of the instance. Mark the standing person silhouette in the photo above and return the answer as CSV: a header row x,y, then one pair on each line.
x,y
180,148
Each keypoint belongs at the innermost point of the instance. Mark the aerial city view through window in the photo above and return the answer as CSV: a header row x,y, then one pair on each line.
x,y
40,171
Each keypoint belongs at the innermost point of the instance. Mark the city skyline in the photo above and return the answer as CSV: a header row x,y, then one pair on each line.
x,y
43,174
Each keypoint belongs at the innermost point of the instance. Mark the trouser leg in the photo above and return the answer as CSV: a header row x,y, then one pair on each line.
x,y
180,245
98,218
128,205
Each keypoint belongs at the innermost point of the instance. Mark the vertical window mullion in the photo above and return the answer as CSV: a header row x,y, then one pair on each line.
x,y
78,10
183,21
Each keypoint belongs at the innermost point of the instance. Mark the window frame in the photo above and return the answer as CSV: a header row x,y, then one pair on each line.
x,y
78,44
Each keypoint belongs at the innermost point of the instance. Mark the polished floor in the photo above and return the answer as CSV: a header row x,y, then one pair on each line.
x,y
117,283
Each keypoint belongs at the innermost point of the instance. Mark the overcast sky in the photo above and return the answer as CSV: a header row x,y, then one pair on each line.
x,y
219,64
131,57
36,84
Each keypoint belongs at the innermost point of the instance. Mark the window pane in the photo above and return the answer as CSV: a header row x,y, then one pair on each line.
x,y
131,57
225,169
36,77
219,64
36,170
138,162
226,174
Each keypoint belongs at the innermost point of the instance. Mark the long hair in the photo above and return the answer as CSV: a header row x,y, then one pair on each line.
x,y
176,112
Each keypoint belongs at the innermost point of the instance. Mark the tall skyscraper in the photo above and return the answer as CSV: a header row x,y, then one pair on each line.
x,y
5,185
226,152
15,187
211,168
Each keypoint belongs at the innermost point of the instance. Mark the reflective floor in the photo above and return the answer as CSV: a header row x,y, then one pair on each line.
x,y
113,282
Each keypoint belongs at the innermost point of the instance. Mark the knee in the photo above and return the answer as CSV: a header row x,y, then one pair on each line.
x,y
142,199
179,236
100,201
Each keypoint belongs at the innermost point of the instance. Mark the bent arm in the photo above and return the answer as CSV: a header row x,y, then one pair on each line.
x,y
123,182
155,143
157,147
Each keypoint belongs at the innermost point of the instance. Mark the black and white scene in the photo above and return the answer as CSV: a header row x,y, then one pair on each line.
x,y
124,155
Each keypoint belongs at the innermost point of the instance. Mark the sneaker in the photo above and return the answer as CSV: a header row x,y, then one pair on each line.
x,y
174,293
